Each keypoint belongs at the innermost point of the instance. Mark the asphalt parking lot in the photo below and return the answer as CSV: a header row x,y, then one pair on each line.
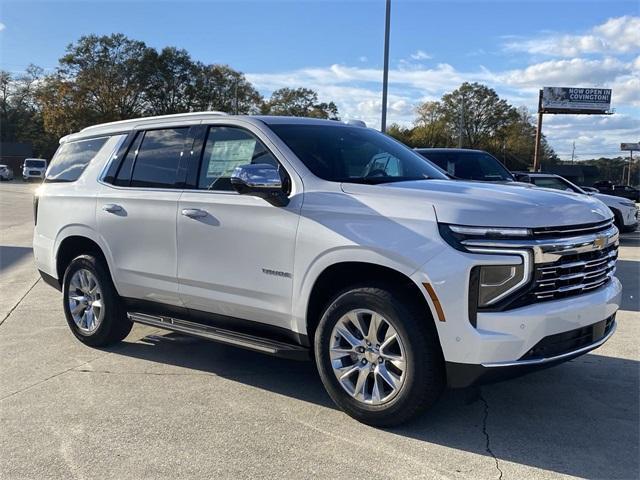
x,y
165,406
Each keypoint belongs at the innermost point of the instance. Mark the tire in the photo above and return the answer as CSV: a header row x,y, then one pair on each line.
x,y
423,378
111,325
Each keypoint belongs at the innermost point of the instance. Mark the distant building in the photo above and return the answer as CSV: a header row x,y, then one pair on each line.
x,y
585,175
13,154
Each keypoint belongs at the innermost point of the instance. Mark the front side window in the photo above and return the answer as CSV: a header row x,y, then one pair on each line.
x,y
354,154
225,149
70,159
158,158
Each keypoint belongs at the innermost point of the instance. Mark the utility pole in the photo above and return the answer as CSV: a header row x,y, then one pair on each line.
x,y
573,153
536,151
385,72
461,122
630,165
235,106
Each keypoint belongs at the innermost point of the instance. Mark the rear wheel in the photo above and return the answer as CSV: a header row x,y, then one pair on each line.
x,y
378,355
92,306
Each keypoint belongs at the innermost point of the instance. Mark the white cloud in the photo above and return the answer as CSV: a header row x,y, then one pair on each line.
x,y
420,55
356,89
616,35
363,59
2,26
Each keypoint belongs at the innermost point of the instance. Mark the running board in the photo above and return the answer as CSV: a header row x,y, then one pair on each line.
x,y
258,344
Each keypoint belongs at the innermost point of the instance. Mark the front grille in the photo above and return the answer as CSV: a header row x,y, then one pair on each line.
x,y
34,172
574,274
566,342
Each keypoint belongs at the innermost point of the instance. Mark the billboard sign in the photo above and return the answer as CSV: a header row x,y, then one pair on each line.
x,y
575,100
630,146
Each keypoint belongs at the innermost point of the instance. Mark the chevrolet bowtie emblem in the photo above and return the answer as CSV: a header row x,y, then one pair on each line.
x,y
600,242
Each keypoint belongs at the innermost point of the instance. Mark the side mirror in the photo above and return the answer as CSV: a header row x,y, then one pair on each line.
x,y
260,180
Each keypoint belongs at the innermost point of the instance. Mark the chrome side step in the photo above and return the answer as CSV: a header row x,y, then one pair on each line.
x,y
258,344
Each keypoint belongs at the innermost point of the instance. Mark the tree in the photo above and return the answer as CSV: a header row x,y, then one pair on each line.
x,y
430,126
477,113
299,102
111,72
172,82
475,116
20,113
220,87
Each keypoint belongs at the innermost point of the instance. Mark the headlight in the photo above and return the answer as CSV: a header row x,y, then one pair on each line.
x,y
502,232
495,282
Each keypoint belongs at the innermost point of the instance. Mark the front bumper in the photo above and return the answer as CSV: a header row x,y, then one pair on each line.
x,y
565,347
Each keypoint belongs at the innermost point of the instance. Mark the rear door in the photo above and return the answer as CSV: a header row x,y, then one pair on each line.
x,y
136,215
235,252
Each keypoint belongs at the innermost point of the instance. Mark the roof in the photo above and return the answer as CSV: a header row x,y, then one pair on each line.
x,y
126,125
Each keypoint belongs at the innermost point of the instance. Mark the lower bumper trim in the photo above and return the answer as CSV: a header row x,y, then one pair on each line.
x,y
461,375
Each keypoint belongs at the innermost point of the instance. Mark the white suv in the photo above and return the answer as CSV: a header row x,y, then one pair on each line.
x,y
303,237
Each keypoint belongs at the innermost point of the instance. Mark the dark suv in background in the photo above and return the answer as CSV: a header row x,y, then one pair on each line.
x,y
468,164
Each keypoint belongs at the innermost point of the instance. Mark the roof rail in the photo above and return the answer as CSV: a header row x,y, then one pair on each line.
x,y
176,116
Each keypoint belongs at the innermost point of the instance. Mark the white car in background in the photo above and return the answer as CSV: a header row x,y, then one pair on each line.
x,y
5,173
625,211
34,168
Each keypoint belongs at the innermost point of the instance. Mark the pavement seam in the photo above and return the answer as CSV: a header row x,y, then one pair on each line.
x,y
160,374
40,382
19,301
486,434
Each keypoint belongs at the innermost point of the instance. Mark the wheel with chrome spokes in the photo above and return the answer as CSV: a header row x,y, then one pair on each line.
x,y
378,355
85,301
367,356
93,309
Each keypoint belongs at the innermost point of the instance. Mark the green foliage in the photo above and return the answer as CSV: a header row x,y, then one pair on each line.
x,y
299,102
474,116
21,118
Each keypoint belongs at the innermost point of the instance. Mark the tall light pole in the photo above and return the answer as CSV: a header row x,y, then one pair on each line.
x,y
385,73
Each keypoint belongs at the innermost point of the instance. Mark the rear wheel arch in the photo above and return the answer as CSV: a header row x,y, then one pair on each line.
x,y
73,246
338,277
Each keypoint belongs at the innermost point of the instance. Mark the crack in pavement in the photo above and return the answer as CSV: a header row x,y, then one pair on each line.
x,y
19,301
486,433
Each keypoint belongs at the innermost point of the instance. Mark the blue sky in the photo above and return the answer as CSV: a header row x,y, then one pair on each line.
x,y
336,48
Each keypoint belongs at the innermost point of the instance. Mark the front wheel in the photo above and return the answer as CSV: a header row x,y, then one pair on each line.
x,y
378,355
92,306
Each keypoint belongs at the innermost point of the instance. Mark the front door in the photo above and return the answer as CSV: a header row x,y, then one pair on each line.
x,y
235,252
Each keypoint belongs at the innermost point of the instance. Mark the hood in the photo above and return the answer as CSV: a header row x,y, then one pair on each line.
x,y
612,200
487,204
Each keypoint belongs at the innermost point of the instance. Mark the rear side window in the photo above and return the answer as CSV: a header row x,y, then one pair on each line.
x,y
156,164
72,158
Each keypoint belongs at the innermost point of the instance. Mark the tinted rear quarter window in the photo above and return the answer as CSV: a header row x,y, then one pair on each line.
x,y
158,158
72,158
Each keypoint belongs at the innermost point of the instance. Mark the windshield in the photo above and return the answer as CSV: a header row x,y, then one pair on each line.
x,y
34,163
354,154
469,165
556,183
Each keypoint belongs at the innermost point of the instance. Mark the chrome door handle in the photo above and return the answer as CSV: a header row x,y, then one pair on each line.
x,y
194,213
112,208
